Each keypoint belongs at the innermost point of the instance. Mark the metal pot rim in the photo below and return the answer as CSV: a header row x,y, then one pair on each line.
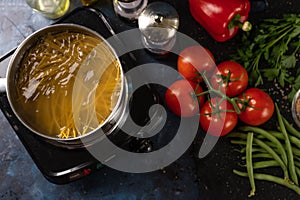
x,y
35,37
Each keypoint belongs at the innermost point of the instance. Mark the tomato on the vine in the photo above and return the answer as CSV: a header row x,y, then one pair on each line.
x,y
193,60
230,77
218,117
181,98
257,107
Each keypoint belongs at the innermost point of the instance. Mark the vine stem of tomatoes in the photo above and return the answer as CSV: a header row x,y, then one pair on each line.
x,y
233,100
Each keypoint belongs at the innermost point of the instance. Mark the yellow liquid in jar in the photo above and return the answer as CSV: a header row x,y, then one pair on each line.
x,y
88,2
51,9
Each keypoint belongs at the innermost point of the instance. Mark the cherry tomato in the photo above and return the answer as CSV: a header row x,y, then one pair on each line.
x,y
193,60
181,98
230,77
217,117
259,107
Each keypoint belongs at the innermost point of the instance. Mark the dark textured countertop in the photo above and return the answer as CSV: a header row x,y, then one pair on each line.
x,y
187,178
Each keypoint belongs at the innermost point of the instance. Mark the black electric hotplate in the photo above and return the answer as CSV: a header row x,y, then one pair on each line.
x,y
60,165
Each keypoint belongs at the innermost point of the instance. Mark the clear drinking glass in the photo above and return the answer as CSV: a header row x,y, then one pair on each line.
x,y
158,24
129,9
51,9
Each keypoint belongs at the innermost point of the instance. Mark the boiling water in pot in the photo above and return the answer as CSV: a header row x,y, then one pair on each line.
x,y
49,101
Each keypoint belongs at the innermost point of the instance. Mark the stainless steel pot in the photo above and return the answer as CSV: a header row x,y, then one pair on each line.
x,y
110,125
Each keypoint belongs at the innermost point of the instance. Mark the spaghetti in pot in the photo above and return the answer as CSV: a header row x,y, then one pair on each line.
x,y
48,100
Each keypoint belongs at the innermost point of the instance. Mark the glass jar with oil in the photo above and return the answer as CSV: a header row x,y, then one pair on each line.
x,y
88,2
51,9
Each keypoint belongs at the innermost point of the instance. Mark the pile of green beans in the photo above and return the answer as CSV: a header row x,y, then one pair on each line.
x,y
264,149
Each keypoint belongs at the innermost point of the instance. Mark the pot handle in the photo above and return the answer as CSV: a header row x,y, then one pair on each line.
x,y
3,80
2,85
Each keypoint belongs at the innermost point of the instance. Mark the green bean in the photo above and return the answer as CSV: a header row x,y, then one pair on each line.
x,y
277,134
243,150
259,155
262,164
244,143
296,151
271,178
297,158
238,142
274,154
249,163
269,137
290,155
290,128
254,149
297,163
298,171
265,164
293,139
238,135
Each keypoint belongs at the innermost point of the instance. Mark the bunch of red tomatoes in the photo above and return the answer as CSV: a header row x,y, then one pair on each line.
x,y
218,93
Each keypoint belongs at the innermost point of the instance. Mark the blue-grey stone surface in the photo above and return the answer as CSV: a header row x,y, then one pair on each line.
x,y
21,179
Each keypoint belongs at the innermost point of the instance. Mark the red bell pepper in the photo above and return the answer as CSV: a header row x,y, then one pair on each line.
x,y
221,18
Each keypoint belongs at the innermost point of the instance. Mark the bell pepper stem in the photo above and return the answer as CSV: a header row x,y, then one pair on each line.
x,y
246,26
235,22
